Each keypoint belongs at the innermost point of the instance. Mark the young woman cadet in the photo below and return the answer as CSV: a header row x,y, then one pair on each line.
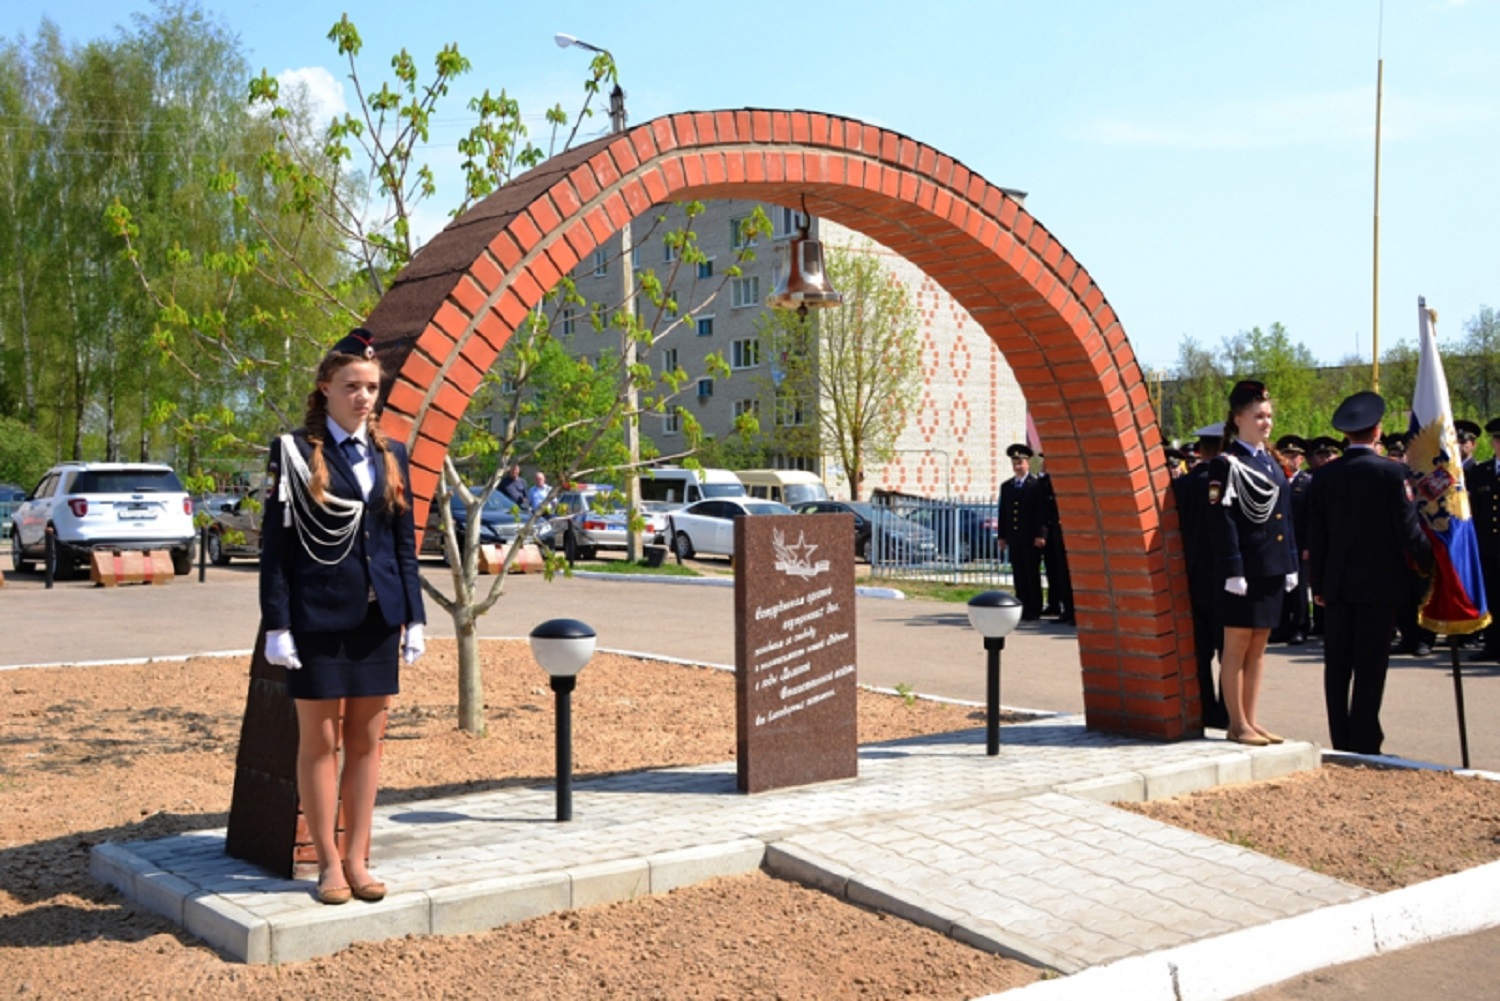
x,y
1255,551
341,601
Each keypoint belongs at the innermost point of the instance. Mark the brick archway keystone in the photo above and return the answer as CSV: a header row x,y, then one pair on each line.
x,y
454,307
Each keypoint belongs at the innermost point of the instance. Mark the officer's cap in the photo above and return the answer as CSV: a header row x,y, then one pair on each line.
x,y
1467,430
1323,443
1176,454
1394,444
1291,444
1359,412
358,342
1019,450
1493,427
1215,430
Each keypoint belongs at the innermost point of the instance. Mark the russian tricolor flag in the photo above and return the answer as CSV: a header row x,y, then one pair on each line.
x,y
1455,600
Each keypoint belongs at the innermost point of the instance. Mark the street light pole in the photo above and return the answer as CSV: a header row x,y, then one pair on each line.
x,y
628,355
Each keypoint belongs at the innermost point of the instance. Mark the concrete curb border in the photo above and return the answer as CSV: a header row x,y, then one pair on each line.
x,y
1218,968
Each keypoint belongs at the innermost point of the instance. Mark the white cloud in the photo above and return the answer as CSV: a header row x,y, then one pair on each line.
x,y
1333,116
323,93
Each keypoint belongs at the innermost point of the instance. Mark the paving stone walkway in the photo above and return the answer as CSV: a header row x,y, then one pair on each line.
x,y
1018,853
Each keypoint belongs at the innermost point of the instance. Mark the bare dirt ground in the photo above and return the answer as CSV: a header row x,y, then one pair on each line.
x,y
139,751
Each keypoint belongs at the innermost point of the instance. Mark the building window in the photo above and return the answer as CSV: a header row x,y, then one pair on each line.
x,y
785,221
669,360
789,411
737,238
706,268
705,326
743,407
669,251
806,463
601,262
745,353
635,257
745,291
705,388
569,323
671,423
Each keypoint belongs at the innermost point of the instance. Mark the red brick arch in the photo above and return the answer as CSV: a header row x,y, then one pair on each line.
x,y
452,310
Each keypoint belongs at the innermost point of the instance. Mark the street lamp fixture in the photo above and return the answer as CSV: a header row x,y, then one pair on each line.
x,y
562,647
994,614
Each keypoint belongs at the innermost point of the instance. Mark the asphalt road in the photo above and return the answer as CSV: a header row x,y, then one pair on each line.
x,y
927,645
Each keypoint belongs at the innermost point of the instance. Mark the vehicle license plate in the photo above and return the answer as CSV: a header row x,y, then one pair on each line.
x,y
136,514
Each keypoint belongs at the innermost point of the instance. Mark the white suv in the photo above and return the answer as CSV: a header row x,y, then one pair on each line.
x,y
104,505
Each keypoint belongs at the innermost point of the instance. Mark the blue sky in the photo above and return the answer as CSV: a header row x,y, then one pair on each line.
x,y
1210,164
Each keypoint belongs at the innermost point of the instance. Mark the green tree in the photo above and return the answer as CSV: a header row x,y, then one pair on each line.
x,y
24,454
850,376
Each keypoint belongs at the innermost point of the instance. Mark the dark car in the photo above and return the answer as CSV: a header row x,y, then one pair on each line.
x,y
879,533
965,532
499,522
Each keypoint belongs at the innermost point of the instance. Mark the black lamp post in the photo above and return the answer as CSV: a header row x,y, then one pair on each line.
x,y
562,647
994,614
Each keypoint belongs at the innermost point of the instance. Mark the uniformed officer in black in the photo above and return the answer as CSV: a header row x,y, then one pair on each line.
x,y
1295,611
1363,530
1483,483
1191,493
1468,439
1023,529
1059,577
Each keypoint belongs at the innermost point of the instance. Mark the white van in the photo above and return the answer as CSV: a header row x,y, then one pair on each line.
x,y
789,486
677,486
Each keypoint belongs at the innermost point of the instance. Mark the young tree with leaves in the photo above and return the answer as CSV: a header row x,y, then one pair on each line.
x,y
847,378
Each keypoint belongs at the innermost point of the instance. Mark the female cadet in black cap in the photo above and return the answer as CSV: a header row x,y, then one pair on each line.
x,y
1255,553
338,582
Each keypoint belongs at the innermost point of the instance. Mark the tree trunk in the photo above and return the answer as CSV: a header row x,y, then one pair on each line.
x,y
470,679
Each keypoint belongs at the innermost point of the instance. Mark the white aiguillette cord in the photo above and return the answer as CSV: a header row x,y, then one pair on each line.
x,y
1255,493
312,530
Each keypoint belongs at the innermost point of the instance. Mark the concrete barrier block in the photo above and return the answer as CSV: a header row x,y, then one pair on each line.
x,y
228,927
1179,778
322,931
687,866
490,903
1124,787
1284,759
607,882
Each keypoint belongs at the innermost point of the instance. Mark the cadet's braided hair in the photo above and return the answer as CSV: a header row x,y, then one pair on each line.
x,y
316,424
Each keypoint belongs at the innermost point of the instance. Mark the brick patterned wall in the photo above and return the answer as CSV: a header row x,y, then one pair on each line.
x,y
453,308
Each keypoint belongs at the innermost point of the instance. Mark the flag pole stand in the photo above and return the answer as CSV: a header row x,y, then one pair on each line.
x,y
1458,698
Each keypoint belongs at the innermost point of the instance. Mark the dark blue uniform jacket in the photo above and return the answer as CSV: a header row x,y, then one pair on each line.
x,y
1243,548
301,593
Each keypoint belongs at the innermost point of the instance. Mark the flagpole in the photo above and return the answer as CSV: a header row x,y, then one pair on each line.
x,y
1375,284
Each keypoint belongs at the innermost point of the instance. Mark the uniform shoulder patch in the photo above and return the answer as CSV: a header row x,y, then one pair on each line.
x,y
1411,498
1215,491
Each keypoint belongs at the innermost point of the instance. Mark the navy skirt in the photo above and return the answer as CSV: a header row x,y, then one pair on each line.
x,y
1260,608
363,662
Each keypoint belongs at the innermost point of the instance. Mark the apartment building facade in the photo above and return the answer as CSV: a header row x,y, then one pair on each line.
x,y
969,406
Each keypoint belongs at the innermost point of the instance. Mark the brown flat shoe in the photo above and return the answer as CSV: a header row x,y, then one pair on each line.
x,y
1251,739
334,894
1273,738
365,891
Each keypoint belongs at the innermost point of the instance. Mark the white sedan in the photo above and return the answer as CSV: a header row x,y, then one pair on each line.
x,y
707,527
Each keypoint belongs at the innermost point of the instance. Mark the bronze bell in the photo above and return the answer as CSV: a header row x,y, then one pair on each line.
x,y
804,283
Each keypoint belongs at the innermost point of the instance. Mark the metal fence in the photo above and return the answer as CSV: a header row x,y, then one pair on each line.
x,y
951,540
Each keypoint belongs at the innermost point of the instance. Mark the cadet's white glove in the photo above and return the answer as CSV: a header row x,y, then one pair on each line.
x,y
281,649
414,643
1291,582
1237,585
